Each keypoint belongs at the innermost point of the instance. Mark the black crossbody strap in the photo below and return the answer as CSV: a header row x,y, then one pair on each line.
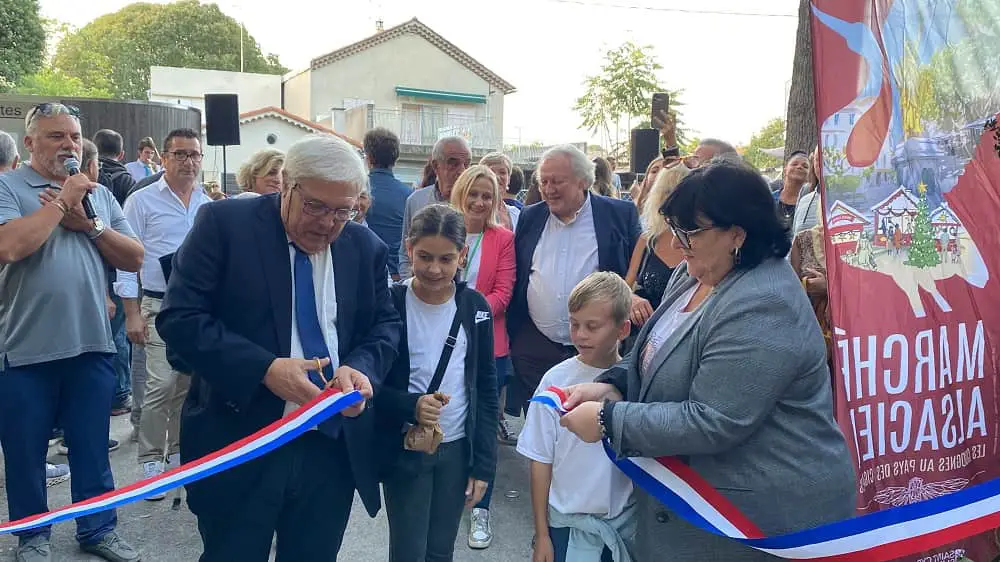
x,y
449,346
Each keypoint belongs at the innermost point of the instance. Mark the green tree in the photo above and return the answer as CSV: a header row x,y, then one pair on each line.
x,y
923,251
690,146
22,41
115,51
621,93
771,135
52,82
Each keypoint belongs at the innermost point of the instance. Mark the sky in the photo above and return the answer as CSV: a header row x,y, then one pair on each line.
x,y
734,69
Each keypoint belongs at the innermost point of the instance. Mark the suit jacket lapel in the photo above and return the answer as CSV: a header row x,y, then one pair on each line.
x,y
272,243
345,278
603,222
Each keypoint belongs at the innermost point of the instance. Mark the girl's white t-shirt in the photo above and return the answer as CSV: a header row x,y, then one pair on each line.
x,y
427,327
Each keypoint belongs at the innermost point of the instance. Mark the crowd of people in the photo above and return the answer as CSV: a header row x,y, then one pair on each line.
x,y
448,307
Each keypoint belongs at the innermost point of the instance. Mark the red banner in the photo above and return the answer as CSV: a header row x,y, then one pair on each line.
x,y
907,92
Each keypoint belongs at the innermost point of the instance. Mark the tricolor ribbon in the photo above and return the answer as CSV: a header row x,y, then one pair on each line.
x,y
874,537
327,404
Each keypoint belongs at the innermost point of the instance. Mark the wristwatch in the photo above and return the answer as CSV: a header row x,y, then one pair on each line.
x,y
98,229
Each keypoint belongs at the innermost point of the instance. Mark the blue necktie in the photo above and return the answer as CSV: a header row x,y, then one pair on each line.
x,y
310,331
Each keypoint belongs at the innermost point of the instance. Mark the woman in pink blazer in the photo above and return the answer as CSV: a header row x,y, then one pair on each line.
x,y
489,268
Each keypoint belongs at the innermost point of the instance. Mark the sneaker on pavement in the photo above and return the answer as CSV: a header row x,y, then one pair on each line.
x,y
33,549
152,469
112,548
122,408
113,445
506,433
480,530
55,474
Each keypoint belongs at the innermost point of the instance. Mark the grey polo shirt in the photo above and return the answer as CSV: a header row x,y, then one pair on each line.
x,y
52,302
417,200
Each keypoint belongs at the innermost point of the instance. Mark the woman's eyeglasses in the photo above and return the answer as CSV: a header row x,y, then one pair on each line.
x,y
684,236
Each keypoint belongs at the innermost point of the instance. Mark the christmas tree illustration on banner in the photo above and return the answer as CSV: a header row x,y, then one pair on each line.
x,y
923,252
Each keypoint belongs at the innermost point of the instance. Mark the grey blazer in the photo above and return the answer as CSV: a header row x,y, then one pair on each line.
x,y
741,392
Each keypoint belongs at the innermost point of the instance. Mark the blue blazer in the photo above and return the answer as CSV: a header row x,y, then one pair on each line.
x,y
616,224
228,314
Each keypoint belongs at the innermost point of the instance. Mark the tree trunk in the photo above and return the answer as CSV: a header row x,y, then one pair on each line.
x,y
800,130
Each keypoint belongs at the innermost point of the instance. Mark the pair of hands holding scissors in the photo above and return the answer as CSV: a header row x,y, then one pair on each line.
x,y
289,380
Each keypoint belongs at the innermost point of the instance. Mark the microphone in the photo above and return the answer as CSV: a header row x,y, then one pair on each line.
x,y
72,166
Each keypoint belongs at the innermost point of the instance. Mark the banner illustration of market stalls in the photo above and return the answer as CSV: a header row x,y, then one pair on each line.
x,y
906,91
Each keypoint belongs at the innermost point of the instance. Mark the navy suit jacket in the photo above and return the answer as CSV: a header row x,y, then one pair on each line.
x,y
385,217
616,225
228,314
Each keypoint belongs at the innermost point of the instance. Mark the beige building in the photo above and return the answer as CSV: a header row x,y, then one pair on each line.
x,y
188,86
410,80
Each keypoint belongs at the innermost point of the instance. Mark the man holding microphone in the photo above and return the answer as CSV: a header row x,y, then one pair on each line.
x,y
56,344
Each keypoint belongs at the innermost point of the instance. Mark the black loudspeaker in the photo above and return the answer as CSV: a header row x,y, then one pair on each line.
x,y
645,148
222,119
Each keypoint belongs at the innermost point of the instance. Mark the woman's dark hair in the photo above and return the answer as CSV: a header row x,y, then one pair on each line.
x,y
430,178
516,182
725,195
603,180
438,220
534,193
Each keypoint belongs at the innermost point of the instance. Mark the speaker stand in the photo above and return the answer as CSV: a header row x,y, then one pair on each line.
x,y
225,187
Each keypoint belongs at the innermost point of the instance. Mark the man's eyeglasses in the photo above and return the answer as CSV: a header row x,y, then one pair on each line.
x,y
684,236
315,208
182,156
49,109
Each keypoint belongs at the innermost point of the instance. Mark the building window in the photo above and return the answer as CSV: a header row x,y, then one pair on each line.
x,y
836,119
851,116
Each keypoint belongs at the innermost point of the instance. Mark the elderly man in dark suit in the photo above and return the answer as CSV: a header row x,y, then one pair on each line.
x,y
264,322
569,235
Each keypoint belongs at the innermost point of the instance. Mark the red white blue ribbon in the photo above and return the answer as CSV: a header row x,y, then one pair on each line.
x,y
875,537
327,404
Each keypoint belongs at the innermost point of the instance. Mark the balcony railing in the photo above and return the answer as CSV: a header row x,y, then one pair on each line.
x,y
424,128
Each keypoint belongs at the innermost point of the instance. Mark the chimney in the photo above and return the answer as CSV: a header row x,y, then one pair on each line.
x,y
379,26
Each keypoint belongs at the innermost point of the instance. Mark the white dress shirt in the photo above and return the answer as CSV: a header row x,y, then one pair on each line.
x,y
566,253
161,222
326,309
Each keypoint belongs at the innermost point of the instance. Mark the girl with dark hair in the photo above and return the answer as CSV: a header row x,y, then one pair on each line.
x,y
437,410
730,374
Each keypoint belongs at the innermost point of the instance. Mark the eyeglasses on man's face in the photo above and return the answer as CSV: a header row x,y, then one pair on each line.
x,y
183,156
316,208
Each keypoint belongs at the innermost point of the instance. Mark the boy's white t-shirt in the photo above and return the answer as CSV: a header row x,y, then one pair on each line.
x,y
583,478
427,327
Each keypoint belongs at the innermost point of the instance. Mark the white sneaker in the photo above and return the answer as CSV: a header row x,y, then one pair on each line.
x,y
152,469
480,530
55,474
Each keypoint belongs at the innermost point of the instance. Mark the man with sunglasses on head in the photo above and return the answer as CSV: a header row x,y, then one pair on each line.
x,y
56,344
161,215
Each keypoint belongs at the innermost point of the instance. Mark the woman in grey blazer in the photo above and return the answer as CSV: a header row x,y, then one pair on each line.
x,y
729,375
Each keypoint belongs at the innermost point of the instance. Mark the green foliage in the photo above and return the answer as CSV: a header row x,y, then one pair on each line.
x,y
622,92
690,146
22,40
114,52
52,82
835,171
964,78
771,135
923,251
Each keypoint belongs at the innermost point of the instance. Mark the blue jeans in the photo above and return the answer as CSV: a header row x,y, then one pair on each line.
x,y
503,368
74,394
122,359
